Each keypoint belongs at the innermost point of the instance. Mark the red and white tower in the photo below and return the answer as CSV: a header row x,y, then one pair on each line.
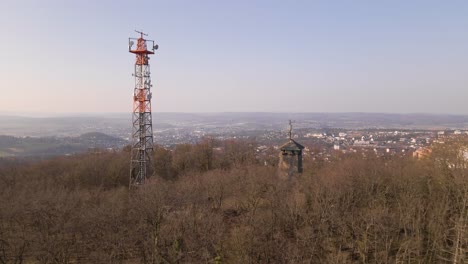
x,y
142,132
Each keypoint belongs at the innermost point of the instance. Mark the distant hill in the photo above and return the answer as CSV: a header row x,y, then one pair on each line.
x,y
97,136
119,125
11,146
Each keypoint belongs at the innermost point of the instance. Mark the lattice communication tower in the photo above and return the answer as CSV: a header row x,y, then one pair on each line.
x,y
142,132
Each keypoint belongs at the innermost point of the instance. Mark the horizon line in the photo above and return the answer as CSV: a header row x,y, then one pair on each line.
x,y
73,114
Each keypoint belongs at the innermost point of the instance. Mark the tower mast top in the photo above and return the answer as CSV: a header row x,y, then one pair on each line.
x,y
141,33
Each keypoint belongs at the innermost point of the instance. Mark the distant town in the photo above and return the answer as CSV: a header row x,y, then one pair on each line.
x,y
323,135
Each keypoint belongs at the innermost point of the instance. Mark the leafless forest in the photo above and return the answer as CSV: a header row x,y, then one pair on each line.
x,y
208,206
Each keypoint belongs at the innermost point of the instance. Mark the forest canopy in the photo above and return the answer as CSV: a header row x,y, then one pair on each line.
x,y
216,202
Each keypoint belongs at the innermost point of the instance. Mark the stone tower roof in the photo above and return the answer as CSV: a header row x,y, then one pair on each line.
x,y
291,145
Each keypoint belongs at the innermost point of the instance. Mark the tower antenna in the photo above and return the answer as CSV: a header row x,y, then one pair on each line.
x,y
290,129
142,131
141,33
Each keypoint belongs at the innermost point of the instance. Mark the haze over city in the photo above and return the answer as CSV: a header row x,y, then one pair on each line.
x,y
63,57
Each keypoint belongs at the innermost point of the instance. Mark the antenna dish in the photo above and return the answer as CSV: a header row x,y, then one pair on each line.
x,y
131,43
155,47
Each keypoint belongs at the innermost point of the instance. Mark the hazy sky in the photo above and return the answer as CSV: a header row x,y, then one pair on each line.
x,y
279,56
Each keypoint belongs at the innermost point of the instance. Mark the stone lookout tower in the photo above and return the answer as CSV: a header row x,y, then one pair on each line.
x,y
290,158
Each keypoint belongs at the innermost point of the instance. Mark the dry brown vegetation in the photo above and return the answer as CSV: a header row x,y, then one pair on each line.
x,y
224,207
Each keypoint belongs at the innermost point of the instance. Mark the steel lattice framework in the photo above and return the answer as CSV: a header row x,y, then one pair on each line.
x,y
142,132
